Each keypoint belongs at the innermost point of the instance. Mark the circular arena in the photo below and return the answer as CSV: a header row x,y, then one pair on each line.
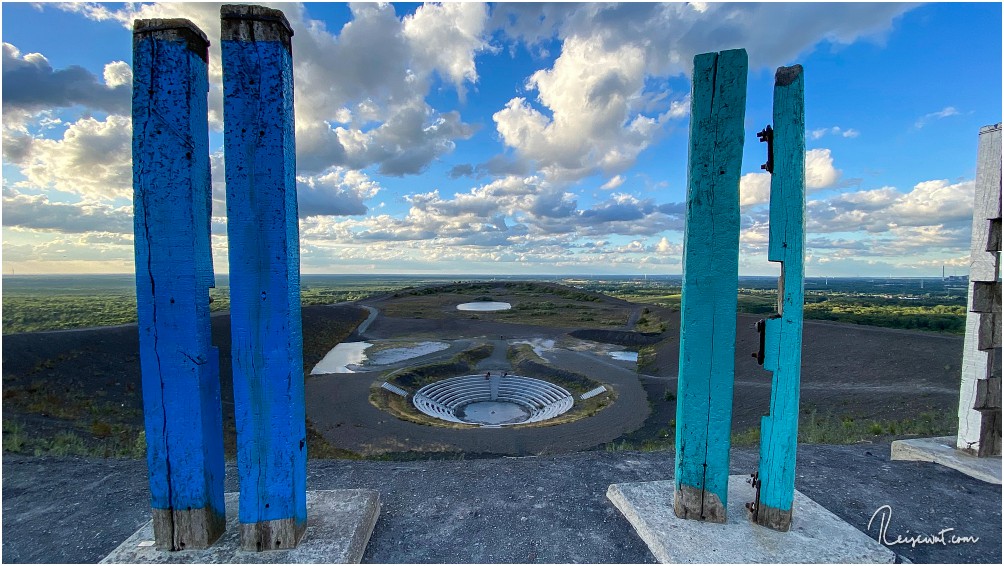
x,y
492,402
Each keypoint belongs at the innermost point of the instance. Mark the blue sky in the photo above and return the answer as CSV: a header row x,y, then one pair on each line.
x,y
524,138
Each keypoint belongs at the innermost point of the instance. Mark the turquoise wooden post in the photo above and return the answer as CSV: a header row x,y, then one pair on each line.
x,y
264,276
710,286
174,271
783,333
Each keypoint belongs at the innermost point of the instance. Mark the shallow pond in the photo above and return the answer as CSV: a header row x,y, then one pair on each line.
x,y
356,354
394,355
484,306
625,356
342,356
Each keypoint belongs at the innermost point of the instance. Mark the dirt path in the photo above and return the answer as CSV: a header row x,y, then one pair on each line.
x,y
361,329
499,360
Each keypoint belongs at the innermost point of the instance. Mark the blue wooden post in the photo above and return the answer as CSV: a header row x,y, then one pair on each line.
x,y
783,332
174,271
264,276
710,286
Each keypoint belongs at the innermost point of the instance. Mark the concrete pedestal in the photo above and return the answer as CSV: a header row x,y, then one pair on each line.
x,y
816,535
339,524
942,450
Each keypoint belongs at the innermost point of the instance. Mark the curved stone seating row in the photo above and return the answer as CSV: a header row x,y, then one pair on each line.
x,y
542,400
434,409
538,392
551,411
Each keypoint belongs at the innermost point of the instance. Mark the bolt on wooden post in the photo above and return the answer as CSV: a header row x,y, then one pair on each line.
x,y
264,275
980,393
710,286
174,271
782,333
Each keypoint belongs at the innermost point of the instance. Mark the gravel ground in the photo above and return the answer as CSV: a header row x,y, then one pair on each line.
x,y
549,509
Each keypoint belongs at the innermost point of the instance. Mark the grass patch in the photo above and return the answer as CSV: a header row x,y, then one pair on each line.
x,y
646,358
815,428
114,441
650,322
647,445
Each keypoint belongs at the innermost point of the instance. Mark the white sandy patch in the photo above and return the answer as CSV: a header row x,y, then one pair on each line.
x,y
340,357
539,345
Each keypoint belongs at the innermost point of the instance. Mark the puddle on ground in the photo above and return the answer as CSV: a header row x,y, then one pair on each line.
x,y
624,356
340,357
353,357
401,353
484,306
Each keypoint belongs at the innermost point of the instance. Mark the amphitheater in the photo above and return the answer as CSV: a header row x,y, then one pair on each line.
x,y
493,402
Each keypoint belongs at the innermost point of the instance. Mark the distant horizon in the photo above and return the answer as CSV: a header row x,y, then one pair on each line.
x,y
489,276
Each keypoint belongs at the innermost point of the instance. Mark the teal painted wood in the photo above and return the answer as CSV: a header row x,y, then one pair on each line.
x,y
264,256
710,285
783,335
174,271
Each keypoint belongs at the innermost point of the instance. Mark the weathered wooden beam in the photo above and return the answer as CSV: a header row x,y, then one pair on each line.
x,y
979,394
783,333
710,286
174,271
264,275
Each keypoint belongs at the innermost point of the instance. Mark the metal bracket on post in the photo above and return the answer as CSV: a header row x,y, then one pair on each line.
x,y
766,135
781,334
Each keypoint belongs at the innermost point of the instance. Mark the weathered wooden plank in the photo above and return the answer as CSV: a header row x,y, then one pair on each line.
x,y
172,201
783,334
264,275
710,285
979,421
984,263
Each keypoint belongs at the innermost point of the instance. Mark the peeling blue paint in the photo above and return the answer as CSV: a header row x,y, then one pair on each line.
x,y
174,271
783,335
710,274
264,280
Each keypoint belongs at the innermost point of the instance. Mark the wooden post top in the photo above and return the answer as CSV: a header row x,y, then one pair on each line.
x,y
991,128
173,29
245,22
784,76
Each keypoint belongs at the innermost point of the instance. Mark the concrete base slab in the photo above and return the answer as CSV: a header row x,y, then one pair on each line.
x,y
942,450
339,524
816,535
